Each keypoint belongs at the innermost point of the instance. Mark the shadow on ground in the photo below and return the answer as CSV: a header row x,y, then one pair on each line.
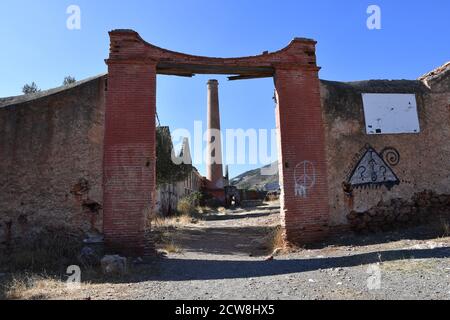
x,y
236,216
191,270
425,232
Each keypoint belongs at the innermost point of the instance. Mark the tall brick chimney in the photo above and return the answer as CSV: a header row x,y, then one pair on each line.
x,y
214,167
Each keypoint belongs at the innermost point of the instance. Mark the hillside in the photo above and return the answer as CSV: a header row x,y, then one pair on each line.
x,y
256,180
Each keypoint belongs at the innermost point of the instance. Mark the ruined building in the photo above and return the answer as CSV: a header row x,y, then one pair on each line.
x,y
174,188
361,155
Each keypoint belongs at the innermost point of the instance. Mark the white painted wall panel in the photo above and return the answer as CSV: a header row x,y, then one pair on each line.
x,y
390,113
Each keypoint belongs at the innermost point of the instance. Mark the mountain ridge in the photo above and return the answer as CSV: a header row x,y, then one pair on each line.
x,y
265,179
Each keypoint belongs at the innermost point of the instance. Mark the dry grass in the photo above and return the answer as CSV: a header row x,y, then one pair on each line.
x,y
163,231
29,286
445,228
167,222
171,247
275,241
50,251
33,287
186,207
222,210
185,220
272,199
410,265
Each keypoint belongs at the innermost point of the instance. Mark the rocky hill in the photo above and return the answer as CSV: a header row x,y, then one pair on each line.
x,y
265,178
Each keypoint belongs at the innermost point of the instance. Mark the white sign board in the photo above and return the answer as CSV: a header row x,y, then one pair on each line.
x,y
390,113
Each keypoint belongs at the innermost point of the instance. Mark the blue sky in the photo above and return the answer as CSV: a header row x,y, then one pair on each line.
x,y
37,46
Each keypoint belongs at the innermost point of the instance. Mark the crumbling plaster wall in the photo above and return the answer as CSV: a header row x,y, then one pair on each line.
x,y
424,157
51,153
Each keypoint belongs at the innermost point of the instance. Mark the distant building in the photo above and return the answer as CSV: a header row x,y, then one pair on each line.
x,y
169,194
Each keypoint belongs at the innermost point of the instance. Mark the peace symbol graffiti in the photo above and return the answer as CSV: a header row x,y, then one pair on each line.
x,y
305,177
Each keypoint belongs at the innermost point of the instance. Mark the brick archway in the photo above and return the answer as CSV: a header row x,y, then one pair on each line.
x,y
129,149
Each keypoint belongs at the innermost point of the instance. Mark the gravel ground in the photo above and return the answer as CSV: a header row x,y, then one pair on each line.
x,y
224,257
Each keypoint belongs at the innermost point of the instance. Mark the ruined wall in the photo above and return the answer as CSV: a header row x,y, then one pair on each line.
x,y
51,151
420,161
51,157
169,195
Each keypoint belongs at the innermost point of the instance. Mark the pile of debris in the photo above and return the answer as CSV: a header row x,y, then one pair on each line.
x,y
400,213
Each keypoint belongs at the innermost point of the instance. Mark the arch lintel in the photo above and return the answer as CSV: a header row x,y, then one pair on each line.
x,y
127,45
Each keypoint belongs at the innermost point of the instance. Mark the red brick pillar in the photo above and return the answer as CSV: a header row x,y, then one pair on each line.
x,y
303,170
129,155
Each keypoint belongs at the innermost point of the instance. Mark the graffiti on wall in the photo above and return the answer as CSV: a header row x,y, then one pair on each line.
x,y
391,156
374,170
305,178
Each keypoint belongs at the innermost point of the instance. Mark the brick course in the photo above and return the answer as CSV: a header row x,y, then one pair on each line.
x,y
129,155
301,138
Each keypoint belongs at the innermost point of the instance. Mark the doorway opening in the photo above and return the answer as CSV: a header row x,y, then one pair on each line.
x,y
130,135
187,216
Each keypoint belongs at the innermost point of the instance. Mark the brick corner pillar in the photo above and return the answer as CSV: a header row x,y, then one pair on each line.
x,y
303,167
129,178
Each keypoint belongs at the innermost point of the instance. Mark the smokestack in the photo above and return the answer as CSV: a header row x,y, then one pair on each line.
x,y
214,168
227,177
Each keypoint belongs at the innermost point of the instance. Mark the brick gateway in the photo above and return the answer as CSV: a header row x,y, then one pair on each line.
x,y
129,178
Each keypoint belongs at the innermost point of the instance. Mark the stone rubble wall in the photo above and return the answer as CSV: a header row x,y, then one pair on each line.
x,y
424,207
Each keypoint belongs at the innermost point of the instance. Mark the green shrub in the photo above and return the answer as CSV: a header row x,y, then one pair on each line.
x,y
69,80
30,88
196,198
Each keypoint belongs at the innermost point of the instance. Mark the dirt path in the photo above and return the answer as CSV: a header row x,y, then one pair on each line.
x,y
240,232
223,257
